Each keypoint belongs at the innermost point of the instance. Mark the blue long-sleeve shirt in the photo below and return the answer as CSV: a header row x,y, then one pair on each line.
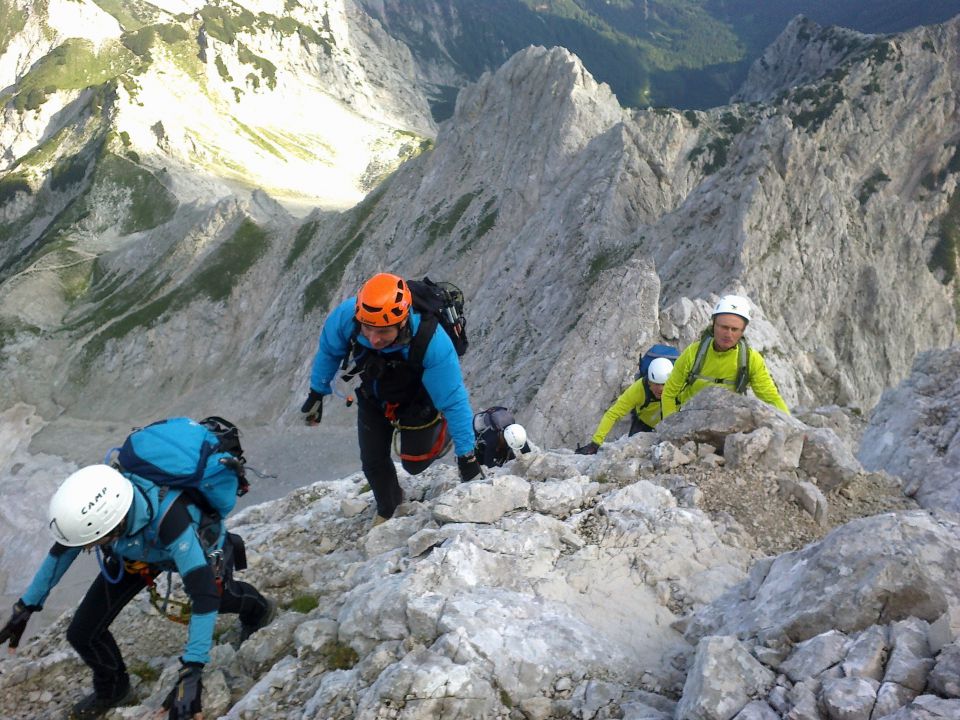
x,y
442,377
140,542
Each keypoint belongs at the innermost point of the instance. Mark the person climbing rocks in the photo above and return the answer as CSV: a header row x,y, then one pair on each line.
x,y
642,399
138,529
410,382
721,357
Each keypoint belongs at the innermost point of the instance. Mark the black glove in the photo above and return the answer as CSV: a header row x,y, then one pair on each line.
x,y
589,449
17,623
183,702
312,408
468,466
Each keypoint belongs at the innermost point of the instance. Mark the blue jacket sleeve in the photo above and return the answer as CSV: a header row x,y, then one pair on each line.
x,y
48,575
200,585
444,383
333,346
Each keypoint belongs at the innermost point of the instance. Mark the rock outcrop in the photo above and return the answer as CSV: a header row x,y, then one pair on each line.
x,y
914,432
558,586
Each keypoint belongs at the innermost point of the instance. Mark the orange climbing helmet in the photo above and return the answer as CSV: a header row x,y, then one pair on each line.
x,y
383,300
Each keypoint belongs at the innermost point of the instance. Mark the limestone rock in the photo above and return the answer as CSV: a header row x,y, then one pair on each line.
x,y
821,587
913,430
812,657
850,698
723,679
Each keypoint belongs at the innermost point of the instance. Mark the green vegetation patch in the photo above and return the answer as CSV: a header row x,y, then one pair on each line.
x,y
813,117
338,656
300,242
140,41
267,70
604,260
41,155
12,21
223,22
222,69
131,14
871,185
944,255
68,171
216,279
442,226
718,154
227,264
258,139
151,204
74,65
13,183
318,291
142,317
304,604
487,221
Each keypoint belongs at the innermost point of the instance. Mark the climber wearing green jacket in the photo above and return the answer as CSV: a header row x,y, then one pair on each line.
x,y
721,357
643,397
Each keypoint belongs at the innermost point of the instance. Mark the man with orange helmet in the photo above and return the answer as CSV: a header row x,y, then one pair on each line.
x,y
410,382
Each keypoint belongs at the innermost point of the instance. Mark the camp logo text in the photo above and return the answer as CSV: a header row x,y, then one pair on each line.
x,y
93,503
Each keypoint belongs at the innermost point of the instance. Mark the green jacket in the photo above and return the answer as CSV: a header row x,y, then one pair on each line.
x,y
718,368
636,397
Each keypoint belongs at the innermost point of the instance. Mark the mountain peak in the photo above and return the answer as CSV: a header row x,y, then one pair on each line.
x,y
804,52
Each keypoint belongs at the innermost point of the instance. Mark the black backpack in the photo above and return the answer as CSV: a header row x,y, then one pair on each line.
x,y
438,304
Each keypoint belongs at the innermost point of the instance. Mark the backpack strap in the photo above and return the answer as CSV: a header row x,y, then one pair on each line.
x,y
647,395
705,339
421,339
743,365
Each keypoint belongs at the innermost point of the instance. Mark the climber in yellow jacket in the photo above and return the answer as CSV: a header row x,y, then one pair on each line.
x,y
721,357
643,397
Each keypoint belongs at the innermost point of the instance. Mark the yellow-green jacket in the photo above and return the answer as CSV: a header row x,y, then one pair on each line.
x,y
718,368
633,398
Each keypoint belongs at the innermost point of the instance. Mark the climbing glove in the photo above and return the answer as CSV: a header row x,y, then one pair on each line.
x,y
589,449
17,623
312,408
183,702
468,466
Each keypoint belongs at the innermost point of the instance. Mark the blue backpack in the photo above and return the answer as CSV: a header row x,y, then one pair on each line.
x,y
656,351
202,459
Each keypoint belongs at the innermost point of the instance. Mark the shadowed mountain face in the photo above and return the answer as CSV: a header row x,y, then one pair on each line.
x,y
684,54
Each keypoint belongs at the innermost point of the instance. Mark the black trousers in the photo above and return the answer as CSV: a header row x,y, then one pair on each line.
x,y
89,631
375,436
637,425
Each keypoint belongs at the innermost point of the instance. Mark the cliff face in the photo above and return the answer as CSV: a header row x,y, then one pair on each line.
x,y
830,207
579,232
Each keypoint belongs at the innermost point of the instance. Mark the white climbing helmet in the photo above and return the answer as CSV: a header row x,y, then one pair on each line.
x,y
515,436
659,370
89,505
733,305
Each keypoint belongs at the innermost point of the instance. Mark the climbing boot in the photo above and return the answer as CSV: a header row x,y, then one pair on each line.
x,y
246,630
93,706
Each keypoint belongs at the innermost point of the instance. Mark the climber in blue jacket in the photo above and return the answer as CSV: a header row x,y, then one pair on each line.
x,y
410,382
138,530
